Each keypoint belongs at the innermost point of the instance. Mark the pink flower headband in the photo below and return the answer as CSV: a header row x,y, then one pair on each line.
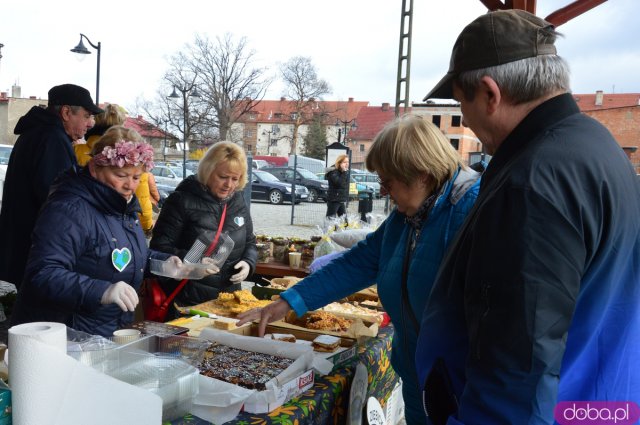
x,y
126,153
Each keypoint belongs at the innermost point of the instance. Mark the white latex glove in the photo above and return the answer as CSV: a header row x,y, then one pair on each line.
x,y
175,260
214,269
242,274
121,293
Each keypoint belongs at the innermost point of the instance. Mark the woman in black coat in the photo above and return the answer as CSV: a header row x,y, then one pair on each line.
x,y
195,209
338,193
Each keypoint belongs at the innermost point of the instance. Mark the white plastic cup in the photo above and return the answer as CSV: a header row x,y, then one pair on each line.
x,y
294,259
124,336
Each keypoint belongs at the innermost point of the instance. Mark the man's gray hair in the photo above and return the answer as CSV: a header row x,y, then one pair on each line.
x,y
521,81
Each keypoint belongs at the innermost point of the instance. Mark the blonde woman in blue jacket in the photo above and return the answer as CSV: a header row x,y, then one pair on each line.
x,y
433,192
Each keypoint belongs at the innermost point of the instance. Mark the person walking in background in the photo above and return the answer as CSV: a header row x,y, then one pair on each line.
x,y
89,253
200,204
42,151
537,302
338,193
433,191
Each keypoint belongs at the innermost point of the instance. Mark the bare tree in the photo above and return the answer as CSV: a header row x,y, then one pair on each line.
x,y
304,88
229,84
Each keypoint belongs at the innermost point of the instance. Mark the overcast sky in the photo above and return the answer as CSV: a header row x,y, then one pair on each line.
x,y
353,43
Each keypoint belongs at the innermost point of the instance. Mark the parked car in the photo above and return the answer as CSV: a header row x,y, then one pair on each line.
x,y
368,179
258,164
164,191
317,188
267,187
169,176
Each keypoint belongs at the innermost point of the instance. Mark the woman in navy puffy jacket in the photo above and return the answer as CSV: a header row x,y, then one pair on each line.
x,y
89,253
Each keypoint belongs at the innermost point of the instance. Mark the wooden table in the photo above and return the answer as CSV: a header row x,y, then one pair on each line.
x,y
277,269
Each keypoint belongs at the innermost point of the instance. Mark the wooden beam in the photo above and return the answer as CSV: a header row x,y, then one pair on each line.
x,y
493,4
577,8
528,5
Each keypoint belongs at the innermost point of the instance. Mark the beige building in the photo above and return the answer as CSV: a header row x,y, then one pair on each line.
x,y
11,109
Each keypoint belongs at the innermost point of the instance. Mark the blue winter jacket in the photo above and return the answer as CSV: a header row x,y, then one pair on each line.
x,y
538,298
379,259
79,232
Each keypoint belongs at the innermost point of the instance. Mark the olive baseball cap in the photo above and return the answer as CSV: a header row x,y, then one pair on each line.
x,y
495,38
72,95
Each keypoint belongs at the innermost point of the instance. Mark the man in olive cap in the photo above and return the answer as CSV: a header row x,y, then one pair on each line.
x,y
536,308
42,151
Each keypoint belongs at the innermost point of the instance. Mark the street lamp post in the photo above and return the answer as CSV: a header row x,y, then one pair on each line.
x,y
164,145
342,134
81,49
186,91
275,129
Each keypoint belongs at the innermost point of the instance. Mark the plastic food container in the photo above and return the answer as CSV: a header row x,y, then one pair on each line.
x,y
173,379
170,269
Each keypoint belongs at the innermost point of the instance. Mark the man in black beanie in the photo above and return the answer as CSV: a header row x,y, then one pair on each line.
x,y
43,150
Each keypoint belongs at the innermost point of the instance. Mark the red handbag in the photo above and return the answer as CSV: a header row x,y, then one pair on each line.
x,y
155,301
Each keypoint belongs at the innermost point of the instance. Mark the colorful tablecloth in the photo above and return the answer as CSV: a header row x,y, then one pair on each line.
x,y
327,402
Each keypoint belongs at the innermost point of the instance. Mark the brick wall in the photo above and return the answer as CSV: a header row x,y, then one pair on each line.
x,y
624,124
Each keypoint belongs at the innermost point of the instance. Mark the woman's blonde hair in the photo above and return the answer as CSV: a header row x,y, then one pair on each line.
x,y
339,160
113,115
223,152
115,134
410,147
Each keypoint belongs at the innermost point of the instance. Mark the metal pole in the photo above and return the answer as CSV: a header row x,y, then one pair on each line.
x,y
97,75
184,134
164,146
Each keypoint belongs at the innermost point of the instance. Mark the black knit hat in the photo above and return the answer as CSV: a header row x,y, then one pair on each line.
x,y
72,95
494,39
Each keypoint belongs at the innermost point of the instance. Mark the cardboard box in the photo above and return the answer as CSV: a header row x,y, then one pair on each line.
x,y
348,346
359,328
220,401
286,392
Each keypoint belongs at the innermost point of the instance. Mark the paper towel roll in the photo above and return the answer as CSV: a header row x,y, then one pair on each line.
x,y
49,387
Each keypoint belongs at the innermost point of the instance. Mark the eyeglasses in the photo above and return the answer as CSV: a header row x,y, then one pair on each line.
x,y
384,184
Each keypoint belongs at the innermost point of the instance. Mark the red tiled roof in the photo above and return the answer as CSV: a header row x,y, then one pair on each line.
x,y
371,120
280,110
145,128
587,102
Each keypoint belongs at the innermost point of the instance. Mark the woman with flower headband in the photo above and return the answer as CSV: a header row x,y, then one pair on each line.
x,y
147,192
88,253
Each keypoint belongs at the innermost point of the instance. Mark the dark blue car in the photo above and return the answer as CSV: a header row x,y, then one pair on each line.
x,y
267,187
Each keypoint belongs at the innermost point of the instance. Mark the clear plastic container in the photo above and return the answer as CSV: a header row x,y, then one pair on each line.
x,y
170,269
171,378
162,364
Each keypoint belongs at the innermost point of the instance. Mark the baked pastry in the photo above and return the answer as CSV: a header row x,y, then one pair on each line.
x,y
231,304
283,337
321,320
224,325
326,343
247,369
